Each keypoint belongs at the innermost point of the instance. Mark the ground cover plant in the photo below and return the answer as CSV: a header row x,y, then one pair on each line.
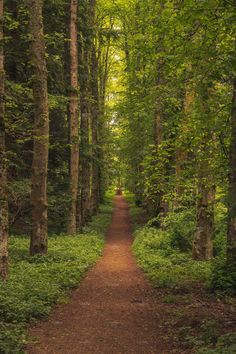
x,y
39,282
198,316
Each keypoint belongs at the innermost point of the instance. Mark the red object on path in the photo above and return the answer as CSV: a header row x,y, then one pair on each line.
x,y
114,310
119,192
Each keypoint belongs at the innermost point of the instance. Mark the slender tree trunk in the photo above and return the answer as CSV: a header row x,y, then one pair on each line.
x,y
95,122
85,148
181,152
3,170
85,163
38,243
158,127
103,77
231,235
94,115
74,118
162,206
202,243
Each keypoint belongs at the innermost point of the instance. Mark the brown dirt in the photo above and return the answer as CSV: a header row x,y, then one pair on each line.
x,y
114,309
117,311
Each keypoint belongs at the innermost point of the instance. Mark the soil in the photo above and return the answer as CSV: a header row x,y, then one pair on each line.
x,y
116,310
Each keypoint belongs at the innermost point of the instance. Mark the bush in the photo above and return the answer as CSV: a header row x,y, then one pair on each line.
x,y
223,278
166,266
181,227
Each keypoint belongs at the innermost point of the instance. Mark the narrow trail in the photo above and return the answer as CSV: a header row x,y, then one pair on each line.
x,y
113,311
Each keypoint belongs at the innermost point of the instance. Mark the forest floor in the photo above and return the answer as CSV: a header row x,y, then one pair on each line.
x,y
116,310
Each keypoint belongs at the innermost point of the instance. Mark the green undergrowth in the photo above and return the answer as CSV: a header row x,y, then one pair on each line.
x,y
225,344
37,283
165,255
165,265
134,210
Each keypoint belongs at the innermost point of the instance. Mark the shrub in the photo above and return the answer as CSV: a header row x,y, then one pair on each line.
x,y
165,266
223,278
181,226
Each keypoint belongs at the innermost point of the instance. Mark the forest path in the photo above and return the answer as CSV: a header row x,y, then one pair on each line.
x,y
114,310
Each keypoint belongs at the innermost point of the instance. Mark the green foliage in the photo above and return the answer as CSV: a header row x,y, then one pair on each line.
x,y
220,241
165,254
225,344
12,337
134,210
37,283
223,277
166,266
181,226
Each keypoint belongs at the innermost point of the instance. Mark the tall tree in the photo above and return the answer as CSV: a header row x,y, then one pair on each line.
x,y
181,149
85,105
95,113
231,249
39,235
3,172
202,243
73,117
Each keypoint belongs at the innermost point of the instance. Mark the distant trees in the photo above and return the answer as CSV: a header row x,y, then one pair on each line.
x,y
3,169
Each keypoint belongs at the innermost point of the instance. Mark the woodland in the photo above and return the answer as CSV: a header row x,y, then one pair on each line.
x,y
100,95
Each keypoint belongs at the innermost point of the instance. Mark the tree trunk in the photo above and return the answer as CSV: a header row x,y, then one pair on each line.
x,y
38,243
73,118
162,206
95,121
202,243
158,127
181,152
103,77
94,116
85,160
231,235
85,136
3,171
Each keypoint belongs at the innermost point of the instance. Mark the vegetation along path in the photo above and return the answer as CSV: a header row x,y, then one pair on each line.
x,y
113,311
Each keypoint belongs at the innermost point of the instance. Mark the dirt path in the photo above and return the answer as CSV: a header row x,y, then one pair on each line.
x,y
113,311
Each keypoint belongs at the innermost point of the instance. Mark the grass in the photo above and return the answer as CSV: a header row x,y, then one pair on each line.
x,y
36,284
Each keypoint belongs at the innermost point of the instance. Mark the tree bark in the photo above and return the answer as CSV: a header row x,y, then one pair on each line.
x,y
38,243
95,122
3,169
85,149
231,235
85,121
94,116
162,206
202,243
73,118
103,65
181,152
